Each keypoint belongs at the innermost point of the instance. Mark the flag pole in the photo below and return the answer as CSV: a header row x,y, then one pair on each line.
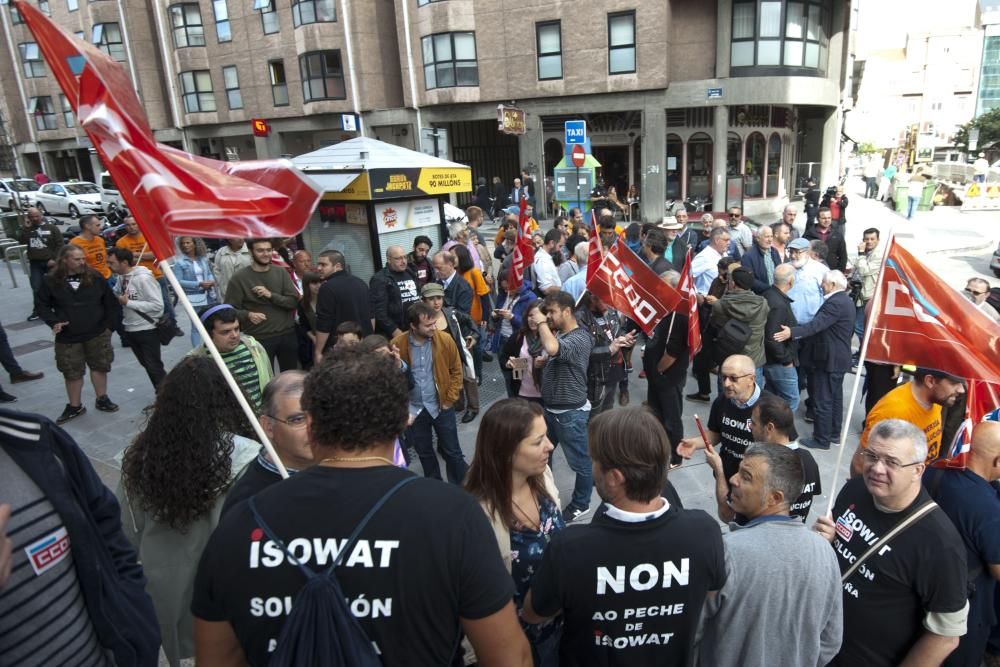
x,y
230,380
862,353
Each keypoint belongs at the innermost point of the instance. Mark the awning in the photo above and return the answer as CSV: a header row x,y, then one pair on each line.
x,y
333,182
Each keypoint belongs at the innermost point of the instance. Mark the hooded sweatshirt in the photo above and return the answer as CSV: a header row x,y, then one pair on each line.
x,y
747,307
144,296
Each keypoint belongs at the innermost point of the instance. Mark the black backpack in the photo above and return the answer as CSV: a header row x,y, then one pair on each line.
x,y
731,339
321,630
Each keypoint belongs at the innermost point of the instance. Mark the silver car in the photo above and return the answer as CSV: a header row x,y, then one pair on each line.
x,y
13,191
71,198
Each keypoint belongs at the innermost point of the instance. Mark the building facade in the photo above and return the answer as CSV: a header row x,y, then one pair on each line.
x,y
684,99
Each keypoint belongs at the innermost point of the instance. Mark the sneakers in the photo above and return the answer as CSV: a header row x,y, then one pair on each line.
x,y
810,418
700,398
25,376
104,404
469,416
623,397
33,317
71,412
6,398
572,513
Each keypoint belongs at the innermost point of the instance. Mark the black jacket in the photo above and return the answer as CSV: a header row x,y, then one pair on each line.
x,y
676,325
90,309
679,252
753,261
779,315
110,577
458,294
829,334
343,298
836,248
387,302
604,367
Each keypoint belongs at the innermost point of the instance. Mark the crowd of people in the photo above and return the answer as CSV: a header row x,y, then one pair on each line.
x,y
205,551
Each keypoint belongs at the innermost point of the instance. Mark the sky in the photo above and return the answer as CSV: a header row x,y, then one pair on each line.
x,y
883,24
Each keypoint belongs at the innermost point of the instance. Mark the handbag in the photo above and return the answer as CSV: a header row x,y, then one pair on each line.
x,y
166,327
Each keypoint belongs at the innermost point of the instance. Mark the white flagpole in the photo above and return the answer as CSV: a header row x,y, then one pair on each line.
x,y
670,329
846,427
230,380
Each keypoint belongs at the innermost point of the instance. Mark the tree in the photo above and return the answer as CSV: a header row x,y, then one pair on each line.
x,y
867,148
989,130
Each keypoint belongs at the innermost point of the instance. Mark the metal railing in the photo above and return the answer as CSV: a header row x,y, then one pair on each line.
x,y
11,248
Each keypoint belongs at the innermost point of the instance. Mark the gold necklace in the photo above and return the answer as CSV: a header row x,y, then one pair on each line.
x,y
357,459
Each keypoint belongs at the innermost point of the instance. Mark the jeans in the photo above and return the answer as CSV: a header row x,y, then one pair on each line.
x,y
283,347
168,306
146,347
569,429
418,435
859,324
37,270
7,359
783,381
911,206
667,401
828,405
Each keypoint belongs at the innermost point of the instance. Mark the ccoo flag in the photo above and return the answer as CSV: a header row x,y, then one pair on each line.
x,y
524,249
686,287
169,192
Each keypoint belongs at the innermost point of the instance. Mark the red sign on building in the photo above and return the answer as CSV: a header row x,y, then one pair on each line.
x,y
261,128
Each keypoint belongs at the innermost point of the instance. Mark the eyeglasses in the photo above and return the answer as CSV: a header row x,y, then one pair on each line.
x,y
734,215
871,458
973,292
297,420
736,378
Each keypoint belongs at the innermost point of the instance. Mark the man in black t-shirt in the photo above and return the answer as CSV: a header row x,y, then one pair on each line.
x,y
907,602
284,422
424,569
665,360
729,420
632,583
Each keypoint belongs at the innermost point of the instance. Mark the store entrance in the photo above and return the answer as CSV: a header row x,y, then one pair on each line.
x,y
614,167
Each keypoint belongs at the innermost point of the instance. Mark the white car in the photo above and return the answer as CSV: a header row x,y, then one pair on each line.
x,y
10,189
71,198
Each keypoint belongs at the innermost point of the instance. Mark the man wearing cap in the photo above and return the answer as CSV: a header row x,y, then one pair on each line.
x,y
677,246
918,402
806,294
245,358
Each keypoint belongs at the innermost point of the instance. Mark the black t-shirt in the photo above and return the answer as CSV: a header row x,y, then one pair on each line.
x,y
631,593
255,479
427,558
923,569
733,423
675,345
810,488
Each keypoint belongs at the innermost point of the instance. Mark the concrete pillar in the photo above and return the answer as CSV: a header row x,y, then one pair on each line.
x,y
654,164
269,147
531,152
830,167
723,37
95,164
720,135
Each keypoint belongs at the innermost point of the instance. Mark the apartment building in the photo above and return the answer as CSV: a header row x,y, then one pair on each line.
x,y
681,97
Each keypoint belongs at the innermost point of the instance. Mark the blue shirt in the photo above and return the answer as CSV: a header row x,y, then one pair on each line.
x,y
806,294
423,396
576,284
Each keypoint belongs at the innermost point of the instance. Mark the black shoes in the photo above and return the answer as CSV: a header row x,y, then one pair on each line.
x,y
469,416
33,317
25,376
572,513
700,398
104,404
6,398
813,443
71,412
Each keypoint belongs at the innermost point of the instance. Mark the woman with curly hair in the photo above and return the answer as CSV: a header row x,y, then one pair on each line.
x,y
175,477
194,273
511,478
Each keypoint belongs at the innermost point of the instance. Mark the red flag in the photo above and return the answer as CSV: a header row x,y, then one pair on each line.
x,y
924,322
595,252
686,286
981,399
627,284
524,249
169,192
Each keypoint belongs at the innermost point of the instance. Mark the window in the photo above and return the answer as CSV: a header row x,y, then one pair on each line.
x,y
79,34
222,29
196,89
450,60
268,17
675,147
45,115
734,153
279,86
773,165
786,33
72,5
108,38
67,111
43,7
549,44
322,76
188,29
621,43
699,166
313,11
754,184
231,80
15,16
31,60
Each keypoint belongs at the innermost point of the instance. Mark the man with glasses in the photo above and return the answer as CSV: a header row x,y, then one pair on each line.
x,y
918,402
729,421
392,290
976,291
917,578
284,422
740,231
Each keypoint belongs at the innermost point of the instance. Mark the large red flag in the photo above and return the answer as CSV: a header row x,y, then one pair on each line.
x,y
169,192
981,402
626,283
924,322
686,286
595,252
524,249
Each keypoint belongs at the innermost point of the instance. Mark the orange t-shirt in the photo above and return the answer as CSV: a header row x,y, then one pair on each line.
x,y
136,245
95,252
479,288
901,404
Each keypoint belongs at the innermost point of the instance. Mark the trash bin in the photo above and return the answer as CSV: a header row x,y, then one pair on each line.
x,y
901,203
10,225
927,197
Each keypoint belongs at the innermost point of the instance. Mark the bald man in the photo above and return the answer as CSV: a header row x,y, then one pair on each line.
x,y
302,263
393,290
973,505
729,424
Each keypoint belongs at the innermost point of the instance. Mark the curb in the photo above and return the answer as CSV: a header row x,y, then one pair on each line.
x,y
984,246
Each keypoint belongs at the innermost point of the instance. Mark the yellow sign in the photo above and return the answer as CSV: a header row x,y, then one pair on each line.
x,y
443,181
398,183
973,190
356,190
993,191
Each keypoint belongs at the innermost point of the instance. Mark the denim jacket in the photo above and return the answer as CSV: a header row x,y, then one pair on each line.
x,y
184,270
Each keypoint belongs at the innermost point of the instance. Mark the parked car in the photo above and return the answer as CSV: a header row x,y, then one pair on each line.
x,y
995,262
11,188
70,198
109,192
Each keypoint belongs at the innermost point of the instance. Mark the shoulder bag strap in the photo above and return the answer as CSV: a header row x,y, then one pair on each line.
x,y
145,316
900,527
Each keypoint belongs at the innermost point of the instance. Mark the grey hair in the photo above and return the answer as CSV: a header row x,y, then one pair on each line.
x,y
838,279
979,281
707,218
897,429
790,207
282,384
762,229
719,231
456,228
784,274
582,251
671,278
784,469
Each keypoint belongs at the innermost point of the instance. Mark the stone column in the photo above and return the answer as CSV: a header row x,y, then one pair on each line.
x,y
723,37
654,164
530,148
269,147
830,167
720,134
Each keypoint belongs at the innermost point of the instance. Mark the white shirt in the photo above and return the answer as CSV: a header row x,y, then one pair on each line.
x,y
546,275
743,236
705,269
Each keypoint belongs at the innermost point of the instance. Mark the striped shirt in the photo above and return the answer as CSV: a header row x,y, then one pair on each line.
x,y
43,616
564,378
241,364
